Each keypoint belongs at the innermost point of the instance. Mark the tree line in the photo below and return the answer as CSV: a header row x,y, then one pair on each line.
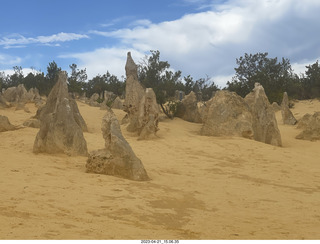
x,y
77,81
275,76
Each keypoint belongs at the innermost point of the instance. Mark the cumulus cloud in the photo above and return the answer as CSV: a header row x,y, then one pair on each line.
x,y
208,42
18,40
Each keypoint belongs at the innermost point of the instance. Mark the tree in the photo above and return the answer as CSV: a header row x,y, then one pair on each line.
x,y
2,80
113,84
156,74
52,72
36,80
204,88
76,81
274,76
189,84
29,81
311,81
17,77
106,82
96,85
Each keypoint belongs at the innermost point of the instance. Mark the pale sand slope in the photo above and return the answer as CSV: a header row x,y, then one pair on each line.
x,y
201,187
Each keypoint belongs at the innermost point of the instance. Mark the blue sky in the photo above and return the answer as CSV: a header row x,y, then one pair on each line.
x,y
198,37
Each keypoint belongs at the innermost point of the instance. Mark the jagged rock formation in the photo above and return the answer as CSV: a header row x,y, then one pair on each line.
x,y
104,105
109,96
188,109
93,100
32,93
34,96
19,96
34,121
264,123
117,158
311,127
16,94
77,116
3,102
276,107
203,110
140,104
60,123
287,116
148,115
5,124
134,94
117,103
227,115
108,99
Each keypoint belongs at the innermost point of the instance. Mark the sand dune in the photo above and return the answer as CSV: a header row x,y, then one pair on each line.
x,y
200,188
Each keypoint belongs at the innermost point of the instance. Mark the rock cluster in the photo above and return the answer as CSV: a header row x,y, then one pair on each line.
x,y
104,100
16,94
61,124
34,96
117,158
140,104
19,96
228,114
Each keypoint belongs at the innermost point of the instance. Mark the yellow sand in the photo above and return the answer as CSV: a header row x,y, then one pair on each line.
x,y
201,187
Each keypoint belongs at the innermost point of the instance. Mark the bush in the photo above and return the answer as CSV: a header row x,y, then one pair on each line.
x,y
99,100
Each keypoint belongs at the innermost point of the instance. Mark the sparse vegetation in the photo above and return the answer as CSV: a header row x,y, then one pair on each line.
x,y
275,76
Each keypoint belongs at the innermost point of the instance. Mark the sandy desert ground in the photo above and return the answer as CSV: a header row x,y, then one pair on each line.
x,y
200,188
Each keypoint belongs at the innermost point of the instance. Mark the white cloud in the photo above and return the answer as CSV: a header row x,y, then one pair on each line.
x,y
141,22
300,67
18,40
221,80
100,33
60,37
25,71
208,43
